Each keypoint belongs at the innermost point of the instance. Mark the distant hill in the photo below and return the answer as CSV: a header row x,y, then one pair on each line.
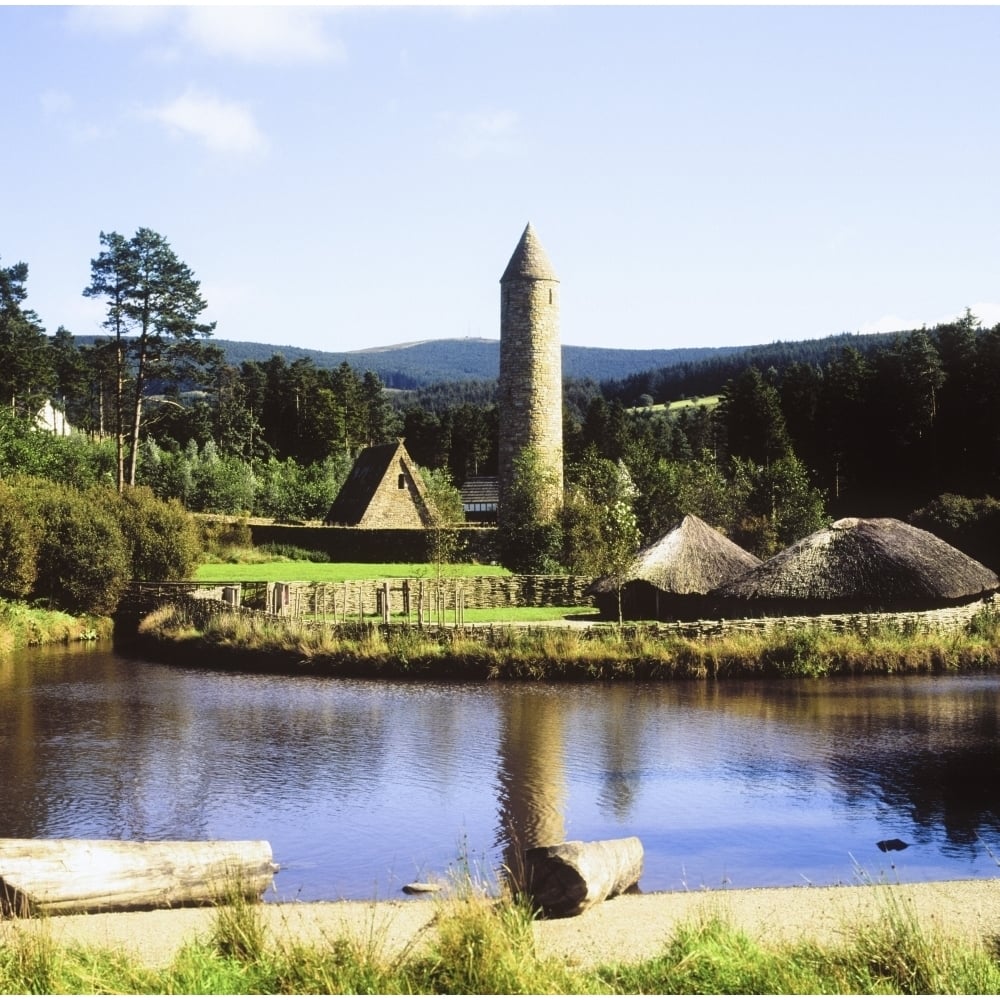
x,y
412,365
428,362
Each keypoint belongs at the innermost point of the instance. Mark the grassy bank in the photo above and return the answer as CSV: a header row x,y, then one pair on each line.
x,y
22,625
482,946
499,652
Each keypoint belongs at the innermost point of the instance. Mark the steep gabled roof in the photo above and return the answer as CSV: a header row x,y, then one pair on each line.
x,y
376,467
876,562
529,259
692,558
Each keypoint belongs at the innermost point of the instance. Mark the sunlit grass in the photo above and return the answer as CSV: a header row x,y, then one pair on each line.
x,y
549,648
318,572
482,945
23,625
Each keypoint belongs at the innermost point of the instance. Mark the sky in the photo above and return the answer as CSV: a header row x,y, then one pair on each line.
x,y
349,177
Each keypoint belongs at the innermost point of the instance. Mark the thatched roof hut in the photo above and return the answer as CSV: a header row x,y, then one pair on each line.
x,y
864,564
671,577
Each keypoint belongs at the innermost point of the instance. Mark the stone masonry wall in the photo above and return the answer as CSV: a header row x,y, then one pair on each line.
x,y
530,384
395,506
339,600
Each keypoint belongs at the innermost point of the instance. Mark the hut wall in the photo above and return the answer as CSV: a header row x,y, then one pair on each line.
x,y
951,619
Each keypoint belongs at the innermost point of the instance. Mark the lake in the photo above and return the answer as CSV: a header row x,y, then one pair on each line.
x,y
363,786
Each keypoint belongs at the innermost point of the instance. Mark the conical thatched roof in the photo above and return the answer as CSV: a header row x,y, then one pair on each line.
x,y
870,562
690,559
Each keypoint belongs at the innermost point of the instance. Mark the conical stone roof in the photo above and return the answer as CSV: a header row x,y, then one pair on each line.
x,y
870,562
529,260
692,558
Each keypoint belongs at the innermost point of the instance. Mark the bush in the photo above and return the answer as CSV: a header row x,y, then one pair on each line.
x,y
971,525
18,547
83,563
161,536
219,537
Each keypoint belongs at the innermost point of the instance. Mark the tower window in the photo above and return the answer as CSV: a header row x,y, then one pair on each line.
x,y
550,296
401,482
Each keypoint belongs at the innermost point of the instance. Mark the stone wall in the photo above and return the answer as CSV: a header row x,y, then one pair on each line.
x,y
424,597
397,501
953,619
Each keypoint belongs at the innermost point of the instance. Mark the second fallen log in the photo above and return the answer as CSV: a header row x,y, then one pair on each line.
x,y
565,879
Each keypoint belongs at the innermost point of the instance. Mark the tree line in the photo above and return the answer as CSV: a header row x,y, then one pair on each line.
x,y
802,432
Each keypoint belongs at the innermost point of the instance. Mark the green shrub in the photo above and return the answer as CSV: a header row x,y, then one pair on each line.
x,y
83,563
18,547
218,537
161,536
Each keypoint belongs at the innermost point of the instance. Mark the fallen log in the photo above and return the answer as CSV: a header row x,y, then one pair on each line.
x,y
563,880
87,876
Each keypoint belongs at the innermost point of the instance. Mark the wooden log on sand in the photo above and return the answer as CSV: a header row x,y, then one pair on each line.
x,y
563,880
86,876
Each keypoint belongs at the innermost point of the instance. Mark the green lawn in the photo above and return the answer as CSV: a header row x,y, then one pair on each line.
x,y
313,572
678,404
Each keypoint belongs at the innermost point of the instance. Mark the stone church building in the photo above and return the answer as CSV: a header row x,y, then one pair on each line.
x,y
383,490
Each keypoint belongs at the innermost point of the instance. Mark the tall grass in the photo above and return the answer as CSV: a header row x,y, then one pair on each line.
x,y
593,654
482,945
23,625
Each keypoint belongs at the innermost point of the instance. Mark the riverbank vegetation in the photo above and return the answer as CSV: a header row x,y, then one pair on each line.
x,y
22,625
75,549
483,947
599,652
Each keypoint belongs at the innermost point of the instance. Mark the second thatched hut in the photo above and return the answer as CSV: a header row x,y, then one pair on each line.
x,y
860,564
671,578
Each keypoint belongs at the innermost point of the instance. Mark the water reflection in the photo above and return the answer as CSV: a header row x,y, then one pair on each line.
x,y
361,787
531,784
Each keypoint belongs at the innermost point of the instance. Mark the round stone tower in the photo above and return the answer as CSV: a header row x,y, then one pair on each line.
x,y
530,389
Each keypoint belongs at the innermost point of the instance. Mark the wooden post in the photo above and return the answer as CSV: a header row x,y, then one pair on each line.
x,y
563,880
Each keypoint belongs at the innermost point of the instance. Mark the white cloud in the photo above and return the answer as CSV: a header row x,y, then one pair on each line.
x,y
889,324
56,102
988,313
253,34
262,34
224,126
477,134
126,19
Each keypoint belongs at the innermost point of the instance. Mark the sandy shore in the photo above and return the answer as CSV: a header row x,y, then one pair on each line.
x,y
622,929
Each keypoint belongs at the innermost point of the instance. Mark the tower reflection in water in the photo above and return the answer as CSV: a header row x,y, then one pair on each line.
x,y
531,777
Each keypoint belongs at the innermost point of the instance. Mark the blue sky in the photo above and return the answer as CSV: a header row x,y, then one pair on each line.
x,y
342,178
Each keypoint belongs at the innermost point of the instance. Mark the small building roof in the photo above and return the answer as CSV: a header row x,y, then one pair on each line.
x,y
373,474
480,489
691,558
870,562
529,260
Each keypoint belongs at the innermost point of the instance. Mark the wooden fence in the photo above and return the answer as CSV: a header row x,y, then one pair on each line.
x,y
427,602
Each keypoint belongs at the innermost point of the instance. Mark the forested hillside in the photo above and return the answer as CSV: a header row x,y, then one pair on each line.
x,y
412,366
902,425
